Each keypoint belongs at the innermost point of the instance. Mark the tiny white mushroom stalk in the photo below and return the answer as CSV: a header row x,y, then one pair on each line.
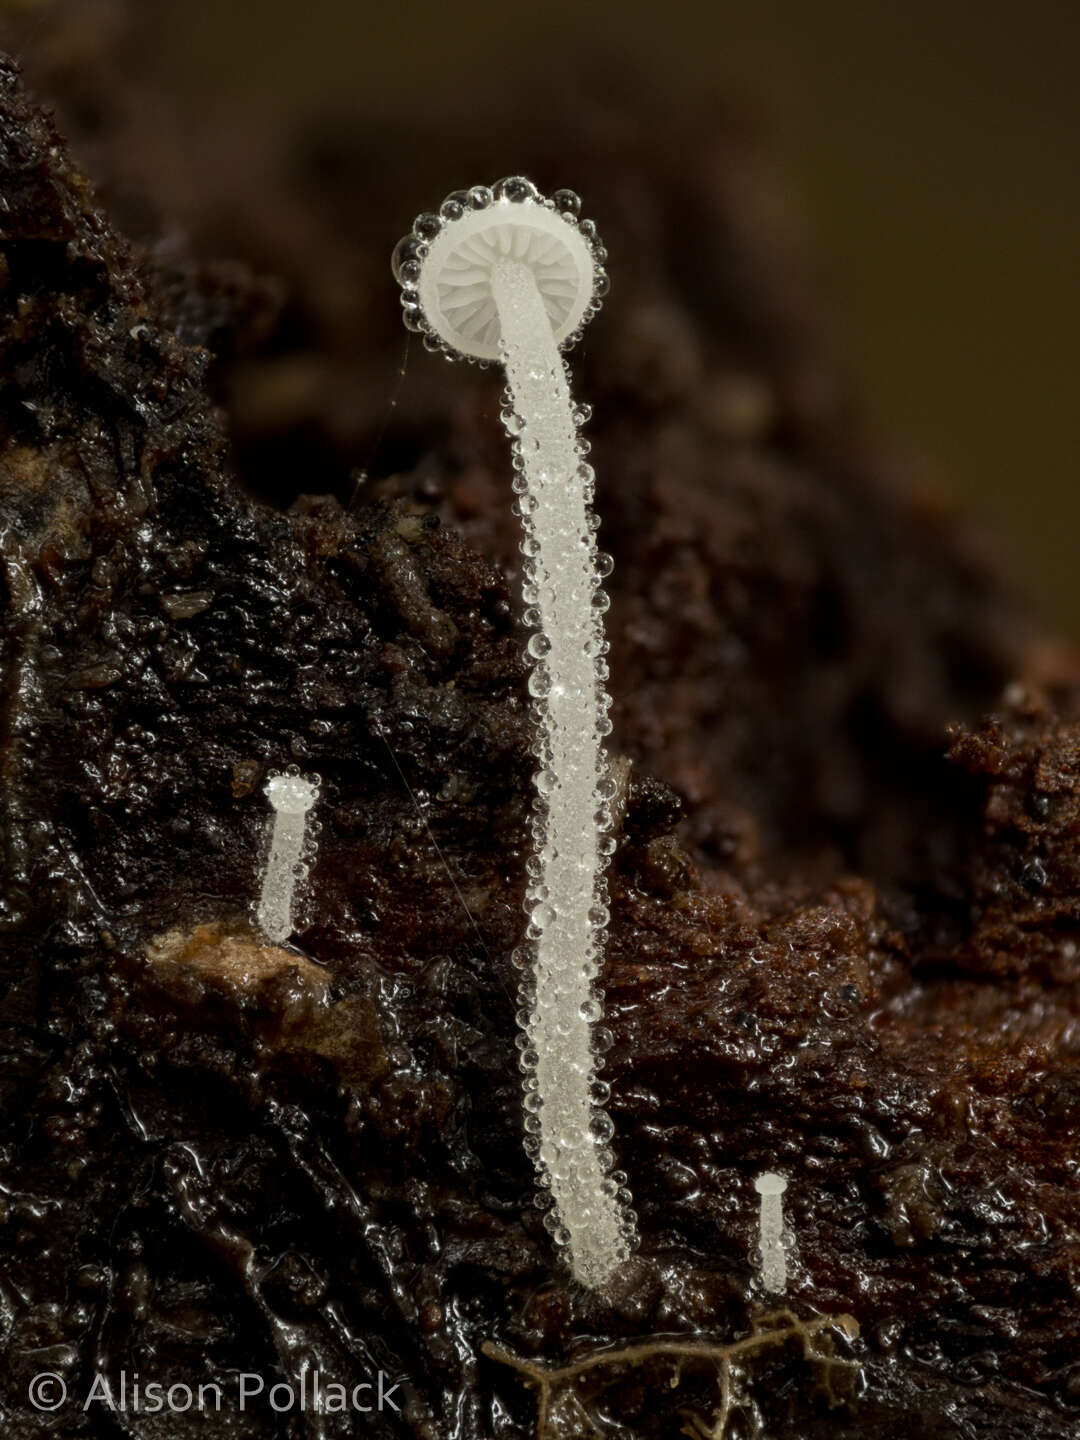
x,y
291,796
771,1257
505,275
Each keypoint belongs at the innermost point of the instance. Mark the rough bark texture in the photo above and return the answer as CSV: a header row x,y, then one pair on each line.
x,y
844,937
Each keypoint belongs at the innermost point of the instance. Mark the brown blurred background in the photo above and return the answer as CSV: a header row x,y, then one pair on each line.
x,y
934,146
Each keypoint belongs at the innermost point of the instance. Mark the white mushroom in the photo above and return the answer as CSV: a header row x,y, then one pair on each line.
x,y
505,275
773,1261
291,796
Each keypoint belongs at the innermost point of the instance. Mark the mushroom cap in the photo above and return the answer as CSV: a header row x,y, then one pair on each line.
x,y
445,265
770,1184
291,794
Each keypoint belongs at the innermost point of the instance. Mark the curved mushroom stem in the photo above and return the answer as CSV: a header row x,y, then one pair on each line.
x,y
572,820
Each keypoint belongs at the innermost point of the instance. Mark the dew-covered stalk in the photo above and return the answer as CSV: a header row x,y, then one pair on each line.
x,y
572,821
291,796
771,1258
510,276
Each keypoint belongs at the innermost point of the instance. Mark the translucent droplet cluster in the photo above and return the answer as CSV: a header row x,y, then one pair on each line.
x,y
291,846
568,1129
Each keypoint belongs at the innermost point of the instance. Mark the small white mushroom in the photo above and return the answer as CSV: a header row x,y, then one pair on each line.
x,y
291,796
506,275
772,1259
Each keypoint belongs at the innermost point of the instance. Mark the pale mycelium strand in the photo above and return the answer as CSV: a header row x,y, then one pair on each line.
x,y
772,1260
515,283
291,798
